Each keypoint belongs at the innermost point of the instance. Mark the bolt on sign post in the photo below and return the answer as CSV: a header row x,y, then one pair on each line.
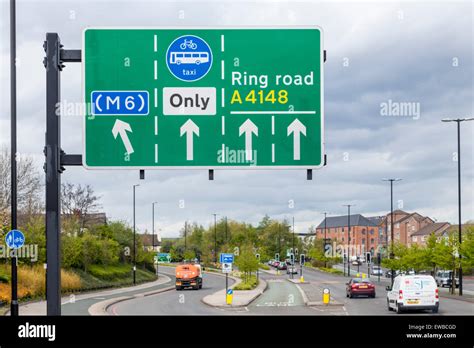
x,y
203,98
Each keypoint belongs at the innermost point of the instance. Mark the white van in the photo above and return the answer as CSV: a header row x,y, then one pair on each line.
x,y
413,292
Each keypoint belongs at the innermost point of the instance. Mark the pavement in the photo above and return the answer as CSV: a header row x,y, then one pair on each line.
x,y
241,298
79,304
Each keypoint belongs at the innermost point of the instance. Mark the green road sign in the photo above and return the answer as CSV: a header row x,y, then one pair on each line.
x,y
203,98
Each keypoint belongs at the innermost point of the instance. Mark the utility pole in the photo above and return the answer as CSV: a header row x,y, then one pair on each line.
x,y
215,237
134,239
13,142
458,121
392,271
185,236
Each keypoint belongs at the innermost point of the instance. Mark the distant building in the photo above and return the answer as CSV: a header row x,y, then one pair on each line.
x,y
147,242
439,229
363,231
404,226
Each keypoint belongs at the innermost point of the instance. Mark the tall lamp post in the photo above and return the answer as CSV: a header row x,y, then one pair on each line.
x,y
153,232
458,121
215,237
325,237
348,237
134,239
392,271
293,243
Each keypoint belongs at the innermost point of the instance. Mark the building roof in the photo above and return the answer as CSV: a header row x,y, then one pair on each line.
x,y
147,240
436,227
376,219
341,221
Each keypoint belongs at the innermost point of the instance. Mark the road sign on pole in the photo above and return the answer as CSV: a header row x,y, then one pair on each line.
x,y
15,239
227,268
226,258
203,98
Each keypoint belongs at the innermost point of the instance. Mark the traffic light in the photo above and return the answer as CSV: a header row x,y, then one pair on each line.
x,y
258,257
302,259
378,258
368,257
277,257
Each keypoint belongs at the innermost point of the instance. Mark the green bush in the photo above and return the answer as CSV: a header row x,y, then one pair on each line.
x,y
249,284
264,266
4,278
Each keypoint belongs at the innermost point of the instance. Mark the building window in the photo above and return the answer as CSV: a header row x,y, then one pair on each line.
x,y
371,241
363,231
415,238
363,240
372,231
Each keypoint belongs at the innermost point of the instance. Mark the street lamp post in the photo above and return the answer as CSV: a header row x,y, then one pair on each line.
x,y
185,236
348,237
392,271
153,231
458,121
325,238
134,239
293,252
215,237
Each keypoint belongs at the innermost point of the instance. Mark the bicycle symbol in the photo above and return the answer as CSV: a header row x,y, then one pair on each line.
x,y
188,43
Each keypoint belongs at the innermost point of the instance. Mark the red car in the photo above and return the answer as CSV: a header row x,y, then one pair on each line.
x,y
360,286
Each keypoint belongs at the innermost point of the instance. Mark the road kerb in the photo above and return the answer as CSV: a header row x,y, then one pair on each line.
x,y
314,303
259,290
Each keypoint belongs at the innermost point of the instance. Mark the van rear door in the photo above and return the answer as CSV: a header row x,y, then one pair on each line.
x,y
419,291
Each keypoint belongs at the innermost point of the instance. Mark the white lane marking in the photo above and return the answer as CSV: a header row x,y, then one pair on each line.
x,y
273,153
156,153
222,69
223,97
156,69
156,97
223,125
156,125
222,43
273,125
155,43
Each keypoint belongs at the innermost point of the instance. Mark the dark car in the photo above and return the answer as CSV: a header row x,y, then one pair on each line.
x,y
360,286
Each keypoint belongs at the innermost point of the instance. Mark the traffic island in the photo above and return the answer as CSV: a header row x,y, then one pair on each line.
x,y
313,296
241,298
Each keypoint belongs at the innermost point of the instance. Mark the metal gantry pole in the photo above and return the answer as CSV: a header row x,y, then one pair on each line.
x,y
325,238
53,169
13,165
348,237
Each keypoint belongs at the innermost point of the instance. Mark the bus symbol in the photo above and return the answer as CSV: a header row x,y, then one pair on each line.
x,y
188,58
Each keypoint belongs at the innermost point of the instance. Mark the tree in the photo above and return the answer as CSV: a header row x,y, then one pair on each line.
x,y
246,261
78,201
28,182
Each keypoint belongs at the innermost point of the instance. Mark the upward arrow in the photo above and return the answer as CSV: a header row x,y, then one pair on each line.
x,y
121,127
296,127
248,127
189,128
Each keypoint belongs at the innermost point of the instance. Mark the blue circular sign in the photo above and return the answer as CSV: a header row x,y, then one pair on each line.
x,y
15,239
189,58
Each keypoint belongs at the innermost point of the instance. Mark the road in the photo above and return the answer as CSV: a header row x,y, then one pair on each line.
x,y
184,302
281,298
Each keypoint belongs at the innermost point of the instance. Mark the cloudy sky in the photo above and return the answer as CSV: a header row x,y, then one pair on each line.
x,y
417,51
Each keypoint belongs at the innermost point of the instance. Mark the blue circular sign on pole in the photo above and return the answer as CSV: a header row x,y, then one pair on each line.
x,y
15,239
189,58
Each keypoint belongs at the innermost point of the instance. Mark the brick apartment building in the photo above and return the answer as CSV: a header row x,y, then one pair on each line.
x,y
404,226
364,232
375,231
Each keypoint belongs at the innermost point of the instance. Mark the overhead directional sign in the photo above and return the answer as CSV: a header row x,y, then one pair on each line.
x,y
203,98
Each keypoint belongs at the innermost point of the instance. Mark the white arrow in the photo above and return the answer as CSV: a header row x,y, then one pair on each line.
x,y
296,127
248,127
122,128
189,128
